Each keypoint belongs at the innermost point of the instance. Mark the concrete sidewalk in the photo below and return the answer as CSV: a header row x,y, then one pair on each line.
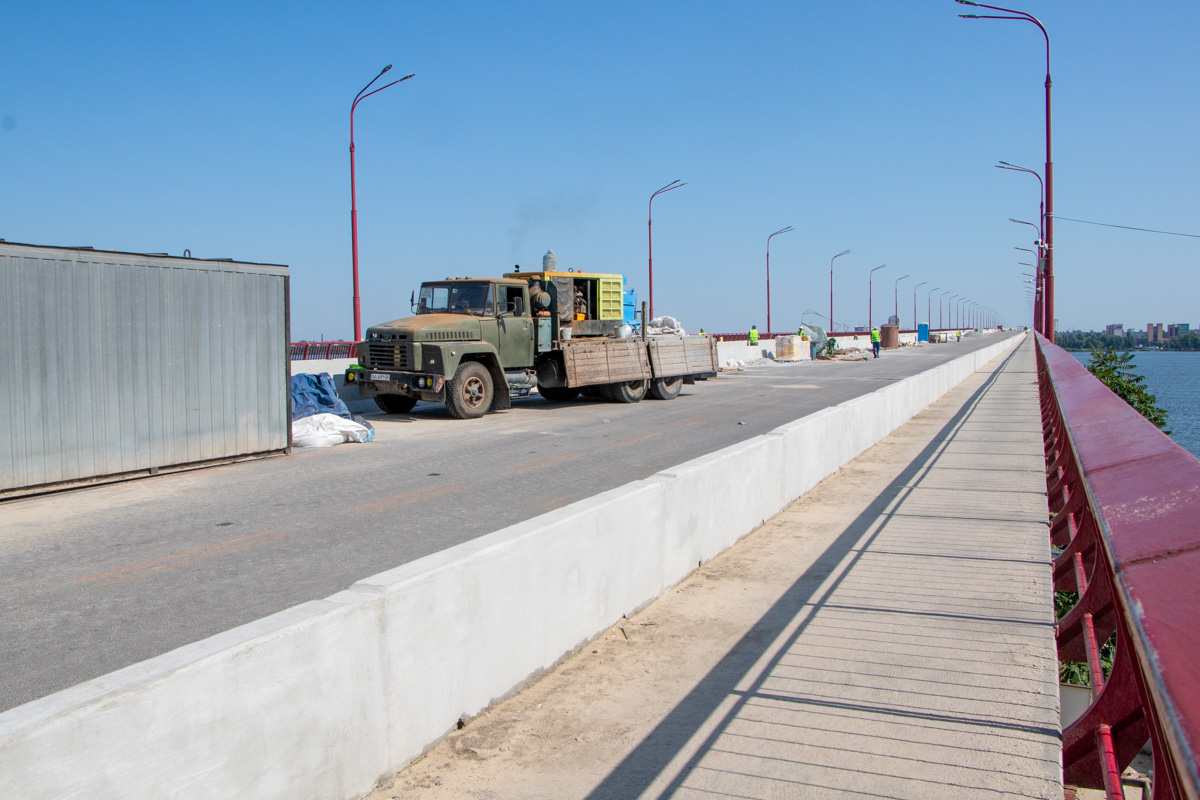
x,y
889,635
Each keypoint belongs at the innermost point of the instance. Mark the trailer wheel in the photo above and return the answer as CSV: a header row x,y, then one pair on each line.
x,y
666,388
395,403
558,394
629,392
469,392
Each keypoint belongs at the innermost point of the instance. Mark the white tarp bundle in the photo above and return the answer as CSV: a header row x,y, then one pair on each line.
x,y
326,430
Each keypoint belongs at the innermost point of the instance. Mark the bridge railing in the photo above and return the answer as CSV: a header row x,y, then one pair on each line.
x,y
304,351
1125,509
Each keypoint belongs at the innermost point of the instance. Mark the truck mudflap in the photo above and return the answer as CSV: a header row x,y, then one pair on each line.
x,y
372,382
682,355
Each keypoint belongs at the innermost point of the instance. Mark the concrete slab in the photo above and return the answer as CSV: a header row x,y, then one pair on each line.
x,y
888,635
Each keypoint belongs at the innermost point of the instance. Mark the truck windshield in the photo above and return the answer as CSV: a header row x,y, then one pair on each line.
x,y
456,298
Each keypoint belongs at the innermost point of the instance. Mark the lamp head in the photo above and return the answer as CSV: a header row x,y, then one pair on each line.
x,y
385,69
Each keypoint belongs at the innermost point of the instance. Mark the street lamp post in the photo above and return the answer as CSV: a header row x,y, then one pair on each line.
x,y
929,305
675,184
941,327
839,255
896,300
949,306
1038,323
1048,276
363,95
870,296
918,286
773,235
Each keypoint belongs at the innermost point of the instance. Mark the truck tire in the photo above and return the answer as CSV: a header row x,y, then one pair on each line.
x,y
628,392
469,392
558,394
666,388
395,403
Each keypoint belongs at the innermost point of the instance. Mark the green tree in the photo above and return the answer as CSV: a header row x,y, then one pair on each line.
x,y
1116,371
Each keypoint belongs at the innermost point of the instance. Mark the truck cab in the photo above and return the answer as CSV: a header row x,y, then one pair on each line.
x,y
481,327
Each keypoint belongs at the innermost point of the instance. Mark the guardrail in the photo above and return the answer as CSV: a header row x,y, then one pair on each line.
x,y
1125,509
305,351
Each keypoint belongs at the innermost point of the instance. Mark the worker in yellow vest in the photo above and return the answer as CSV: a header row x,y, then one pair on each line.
x,y
875,341
753,335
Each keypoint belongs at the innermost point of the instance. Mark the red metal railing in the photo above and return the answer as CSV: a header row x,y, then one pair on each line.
x,y
1125,509
304,351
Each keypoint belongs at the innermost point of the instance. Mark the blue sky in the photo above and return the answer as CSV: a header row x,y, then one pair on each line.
x,y
871,126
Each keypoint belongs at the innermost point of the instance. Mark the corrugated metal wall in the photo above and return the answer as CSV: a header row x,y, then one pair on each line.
x,y
114,362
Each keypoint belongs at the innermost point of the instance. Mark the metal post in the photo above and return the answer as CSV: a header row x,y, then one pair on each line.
x,y
839,255
776,233
675,184
870,296
896,300
353,204
918,286
1048,277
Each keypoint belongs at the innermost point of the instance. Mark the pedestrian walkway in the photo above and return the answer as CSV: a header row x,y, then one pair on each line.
x,y
889,635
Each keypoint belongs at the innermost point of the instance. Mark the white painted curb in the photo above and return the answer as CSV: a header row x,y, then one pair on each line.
x,y
324,699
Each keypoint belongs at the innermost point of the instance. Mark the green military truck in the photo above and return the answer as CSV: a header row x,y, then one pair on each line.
x,y
474,342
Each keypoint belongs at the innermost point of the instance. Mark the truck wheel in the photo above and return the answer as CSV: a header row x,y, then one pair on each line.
x,y
666,388
595,391
469,392
558,394
395,403
629,392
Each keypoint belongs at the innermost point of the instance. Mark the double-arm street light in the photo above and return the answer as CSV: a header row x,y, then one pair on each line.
x,y
675,184
870,295
363,95
788,229
839,255
896,299
1048,273
918,286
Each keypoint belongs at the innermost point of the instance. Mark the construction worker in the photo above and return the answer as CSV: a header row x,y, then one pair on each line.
x,y
702,333
753,335
875,341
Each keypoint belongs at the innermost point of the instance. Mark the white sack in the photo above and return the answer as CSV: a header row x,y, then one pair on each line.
x,y
326,430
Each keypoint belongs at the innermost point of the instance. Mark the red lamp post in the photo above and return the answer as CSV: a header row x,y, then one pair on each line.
x,y
896,300
839,255
1038,322
918,286
1048,273
870,295
773,235
353,205
942,327
675,184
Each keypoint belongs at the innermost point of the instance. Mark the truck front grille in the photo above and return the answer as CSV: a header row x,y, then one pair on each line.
x,y
390,355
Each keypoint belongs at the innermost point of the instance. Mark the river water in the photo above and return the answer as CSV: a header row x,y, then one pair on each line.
x,y
1173,377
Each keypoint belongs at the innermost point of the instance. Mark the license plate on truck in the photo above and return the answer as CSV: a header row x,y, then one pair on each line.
x,y
380,376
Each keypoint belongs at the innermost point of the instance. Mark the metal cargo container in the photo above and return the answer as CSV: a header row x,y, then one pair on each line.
x,y
117,364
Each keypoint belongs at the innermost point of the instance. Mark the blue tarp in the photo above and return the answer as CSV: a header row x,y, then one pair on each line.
x,y
316,394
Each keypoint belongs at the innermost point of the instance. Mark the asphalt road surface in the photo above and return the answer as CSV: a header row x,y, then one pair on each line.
x,y
96,579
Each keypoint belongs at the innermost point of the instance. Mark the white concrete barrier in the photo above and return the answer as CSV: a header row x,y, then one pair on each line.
x,y
322,700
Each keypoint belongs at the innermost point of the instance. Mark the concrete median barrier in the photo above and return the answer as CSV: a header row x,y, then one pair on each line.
x,y
323,700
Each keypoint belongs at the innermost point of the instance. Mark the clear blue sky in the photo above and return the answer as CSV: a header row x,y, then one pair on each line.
x,y
223,127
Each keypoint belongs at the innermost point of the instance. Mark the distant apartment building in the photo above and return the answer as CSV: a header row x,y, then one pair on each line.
x,y
1177,329
1115,330
1155,333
